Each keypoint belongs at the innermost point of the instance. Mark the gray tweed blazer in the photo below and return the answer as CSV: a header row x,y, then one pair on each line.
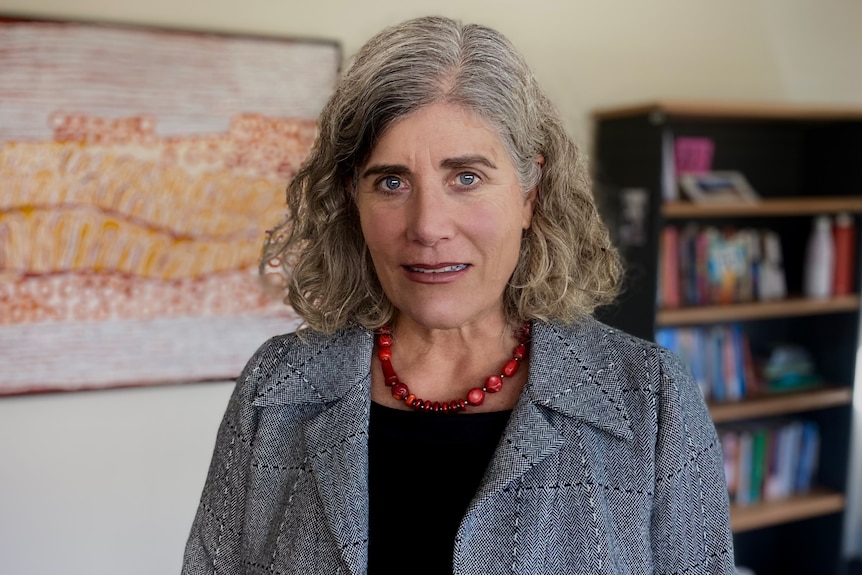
x,y
609,464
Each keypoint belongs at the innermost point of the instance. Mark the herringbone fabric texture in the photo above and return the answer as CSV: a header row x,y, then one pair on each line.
x,y
609,464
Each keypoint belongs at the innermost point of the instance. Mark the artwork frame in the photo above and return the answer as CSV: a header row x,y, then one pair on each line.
x,y
720,187
140,168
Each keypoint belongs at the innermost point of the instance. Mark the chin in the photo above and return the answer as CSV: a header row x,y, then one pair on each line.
x,y
443,315
434,320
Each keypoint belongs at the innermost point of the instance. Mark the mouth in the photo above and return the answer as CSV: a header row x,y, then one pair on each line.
x,y
439,269
436,269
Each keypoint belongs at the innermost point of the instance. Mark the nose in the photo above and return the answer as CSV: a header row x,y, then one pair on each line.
x,y
430,215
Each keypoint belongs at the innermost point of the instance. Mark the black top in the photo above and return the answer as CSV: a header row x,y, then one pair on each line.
x,y
424,469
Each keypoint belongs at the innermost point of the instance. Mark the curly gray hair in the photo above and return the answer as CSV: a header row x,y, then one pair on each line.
x,y
567,266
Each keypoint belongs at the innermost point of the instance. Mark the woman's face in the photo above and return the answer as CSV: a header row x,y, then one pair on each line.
x,y
442,212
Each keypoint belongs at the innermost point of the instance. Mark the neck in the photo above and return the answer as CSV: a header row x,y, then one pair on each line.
x,y
467,342
443,364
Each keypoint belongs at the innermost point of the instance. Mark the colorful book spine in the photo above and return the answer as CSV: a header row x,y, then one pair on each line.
x,y
769,462
704,265
669,276
719,358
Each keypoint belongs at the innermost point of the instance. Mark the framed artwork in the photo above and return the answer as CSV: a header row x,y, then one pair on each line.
x,y
139,171
717,187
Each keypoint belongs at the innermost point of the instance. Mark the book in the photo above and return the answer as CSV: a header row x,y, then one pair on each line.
x,y
758,464
699,367
716,357
772,481
743,484
669,276
791,463
808,454
731,365
687,263
730,456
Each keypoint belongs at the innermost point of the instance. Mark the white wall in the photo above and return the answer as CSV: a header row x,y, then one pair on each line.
x,y
587,53
103,482
107,482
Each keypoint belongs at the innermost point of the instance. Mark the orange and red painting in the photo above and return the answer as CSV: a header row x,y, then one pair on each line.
x,y
139,171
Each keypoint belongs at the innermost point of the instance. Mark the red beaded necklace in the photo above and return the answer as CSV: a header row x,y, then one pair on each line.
x,y
474,397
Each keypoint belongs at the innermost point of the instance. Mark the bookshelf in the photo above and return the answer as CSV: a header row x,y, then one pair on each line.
x,y
801,162
814,504
797,306
764,207
780,404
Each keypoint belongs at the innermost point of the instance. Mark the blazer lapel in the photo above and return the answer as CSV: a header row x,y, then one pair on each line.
x,y
571,374
334,373
337,450
529,438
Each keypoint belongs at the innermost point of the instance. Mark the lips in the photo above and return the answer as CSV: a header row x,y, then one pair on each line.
x,y
436,269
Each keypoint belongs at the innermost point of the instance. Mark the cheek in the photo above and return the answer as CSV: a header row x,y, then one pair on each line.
x,y
378,231
500,231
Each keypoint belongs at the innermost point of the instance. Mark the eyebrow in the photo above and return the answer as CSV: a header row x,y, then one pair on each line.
x,y
379,169
465,161
448,163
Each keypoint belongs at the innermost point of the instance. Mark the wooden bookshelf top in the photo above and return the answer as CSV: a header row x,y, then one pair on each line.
x,y
730,110
755,310
765,207
814,504
779,404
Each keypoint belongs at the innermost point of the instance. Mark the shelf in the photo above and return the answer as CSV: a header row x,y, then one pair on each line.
x,y
755,310
814,504
733,110
778,404
764,208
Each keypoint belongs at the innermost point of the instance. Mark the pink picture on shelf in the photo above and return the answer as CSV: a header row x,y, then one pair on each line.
x,y
693,155
139,171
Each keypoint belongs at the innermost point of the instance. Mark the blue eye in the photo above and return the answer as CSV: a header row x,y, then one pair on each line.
x,y
392,183
466,179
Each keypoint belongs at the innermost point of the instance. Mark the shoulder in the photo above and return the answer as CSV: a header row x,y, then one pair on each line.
x,y
653,383
596,345
307,366
617,375
592,372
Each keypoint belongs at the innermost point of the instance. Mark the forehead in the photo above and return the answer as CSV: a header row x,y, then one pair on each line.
x,y
440,128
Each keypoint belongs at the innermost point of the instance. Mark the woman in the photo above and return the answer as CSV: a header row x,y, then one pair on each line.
x,y
452,406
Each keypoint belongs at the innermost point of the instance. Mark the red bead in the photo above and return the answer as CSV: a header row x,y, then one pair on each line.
x,y
462,405
444,407
435,406
475,396
384,353
389,372
519,352
418,404
427,405
400,391
510,368
384,340
409,399
494,384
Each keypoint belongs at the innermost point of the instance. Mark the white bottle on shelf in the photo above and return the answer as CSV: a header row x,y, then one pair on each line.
x,y
820,259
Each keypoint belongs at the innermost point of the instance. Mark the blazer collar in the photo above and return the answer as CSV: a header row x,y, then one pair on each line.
x,y
572,371
309,367
333,372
